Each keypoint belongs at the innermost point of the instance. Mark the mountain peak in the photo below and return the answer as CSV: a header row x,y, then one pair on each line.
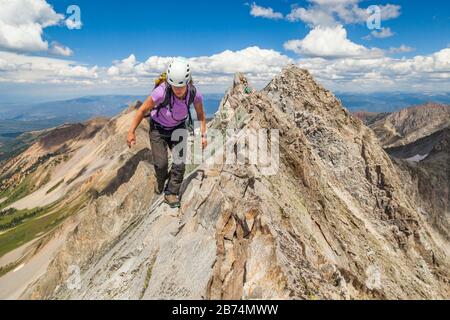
x,y
292,78
335,220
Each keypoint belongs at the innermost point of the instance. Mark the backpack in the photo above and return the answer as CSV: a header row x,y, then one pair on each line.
x,y
168,101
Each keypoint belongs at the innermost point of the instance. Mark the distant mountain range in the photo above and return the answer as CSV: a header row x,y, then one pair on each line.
x,y
81,109
389,101
17,119
410,124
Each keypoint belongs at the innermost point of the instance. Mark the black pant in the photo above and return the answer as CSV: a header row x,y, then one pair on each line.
x,y
160,139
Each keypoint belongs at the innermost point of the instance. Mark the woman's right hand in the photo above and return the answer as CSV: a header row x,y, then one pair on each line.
x,y
131,139
140,113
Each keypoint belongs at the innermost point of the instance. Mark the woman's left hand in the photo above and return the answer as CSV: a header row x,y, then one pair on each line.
x,y
204,142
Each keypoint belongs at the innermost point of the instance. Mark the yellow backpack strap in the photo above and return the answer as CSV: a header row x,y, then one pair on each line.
x,y
162,78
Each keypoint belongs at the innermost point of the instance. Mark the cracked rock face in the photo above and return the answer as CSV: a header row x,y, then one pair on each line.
x,y
334,222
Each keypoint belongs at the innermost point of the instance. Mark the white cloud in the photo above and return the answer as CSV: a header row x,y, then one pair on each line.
x,y
78,72
431,72
215,72
313,16
252,60
401,49
22,24
334,12
269,13
124,67
356,14
330,42
382,33
23,12
152,65
438,62
256,62
60,50
6,66
21,68
390,11
333,2
339,62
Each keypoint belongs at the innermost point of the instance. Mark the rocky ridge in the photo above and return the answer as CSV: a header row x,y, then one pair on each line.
x,y
336,221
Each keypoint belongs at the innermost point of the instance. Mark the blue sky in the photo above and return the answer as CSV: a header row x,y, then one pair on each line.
x,y
112,30
110,52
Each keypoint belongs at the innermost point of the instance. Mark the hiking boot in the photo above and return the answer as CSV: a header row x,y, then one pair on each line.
x,y
172,200
159,188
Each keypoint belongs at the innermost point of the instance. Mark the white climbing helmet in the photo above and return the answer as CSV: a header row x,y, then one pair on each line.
x,y
179,73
